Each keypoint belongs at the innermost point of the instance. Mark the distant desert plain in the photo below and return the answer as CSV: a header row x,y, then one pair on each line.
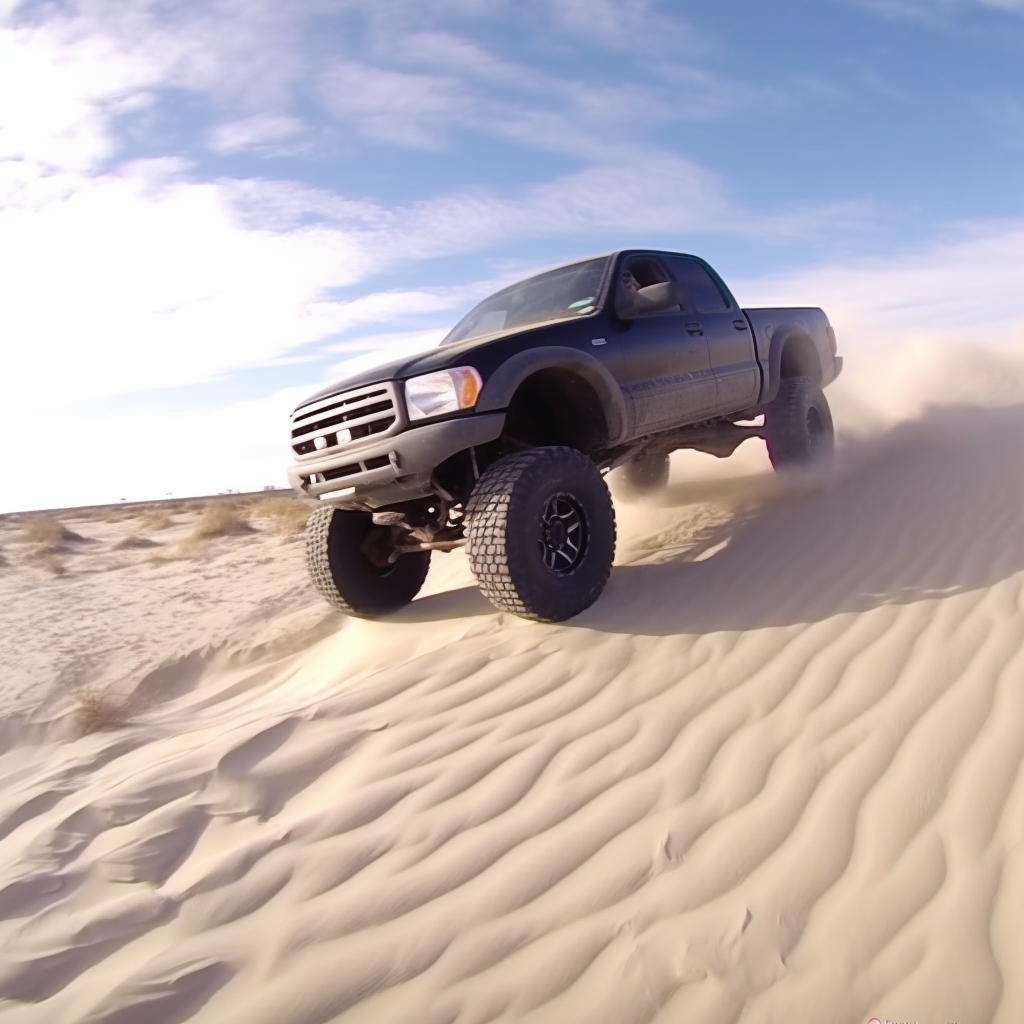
x,y
775,774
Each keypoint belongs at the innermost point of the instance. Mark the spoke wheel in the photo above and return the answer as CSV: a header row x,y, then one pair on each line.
x,y
541,533
563,541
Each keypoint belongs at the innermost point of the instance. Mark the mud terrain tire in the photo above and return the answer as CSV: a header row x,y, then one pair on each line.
x,y
798,425
541,533
343,574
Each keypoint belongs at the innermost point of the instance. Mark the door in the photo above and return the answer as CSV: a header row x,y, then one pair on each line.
x,y
666,364
730,341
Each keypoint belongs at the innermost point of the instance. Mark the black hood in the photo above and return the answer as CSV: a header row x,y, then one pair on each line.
x,y
441,358
397,369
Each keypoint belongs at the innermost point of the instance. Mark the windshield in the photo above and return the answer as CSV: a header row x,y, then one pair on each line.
x,y
566,292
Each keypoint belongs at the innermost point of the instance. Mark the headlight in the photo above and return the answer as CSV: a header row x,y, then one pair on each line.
x,y
435,394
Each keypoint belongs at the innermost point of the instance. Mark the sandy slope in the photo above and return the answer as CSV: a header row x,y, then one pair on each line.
x,y
774,775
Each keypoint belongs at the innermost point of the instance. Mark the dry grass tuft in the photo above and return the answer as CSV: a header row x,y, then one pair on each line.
x,y
184,550
114,513
287,515
48,532
157,519
220,520
96,710
50,562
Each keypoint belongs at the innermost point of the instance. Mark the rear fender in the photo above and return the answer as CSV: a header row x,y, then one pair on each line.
x,y
801,355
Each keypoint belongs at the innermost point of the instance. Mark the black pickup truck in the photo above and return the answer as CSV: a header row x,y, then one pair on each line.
x,y
498,438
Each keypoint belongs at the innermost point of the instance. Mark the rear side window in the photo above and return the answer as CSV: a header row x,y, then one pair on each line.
x,y
702,293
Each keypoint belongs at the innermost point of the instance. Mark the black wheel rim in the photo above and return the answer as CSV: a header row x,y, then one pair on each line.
x,y
563,540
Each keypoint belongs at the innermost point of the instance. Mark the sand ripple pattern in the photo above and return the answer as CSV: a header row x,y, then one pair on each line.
x,y
776,774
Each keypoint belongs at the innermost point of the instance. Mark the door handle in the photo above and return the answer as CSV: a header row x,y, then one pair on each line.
x,y
694,328
740,325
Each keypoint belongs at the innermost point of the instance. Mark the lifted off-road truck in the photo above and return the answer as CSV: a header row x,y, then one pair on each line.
x,y
498,439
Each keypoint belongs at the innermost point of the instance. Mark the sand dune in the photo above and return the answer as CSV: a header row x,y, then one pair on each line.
x,y
775,774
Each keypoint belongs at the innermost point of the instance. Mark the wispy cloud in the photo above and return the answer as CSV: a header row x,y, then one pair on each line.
x,y
638,26
934,12
965,286
261,131
396,106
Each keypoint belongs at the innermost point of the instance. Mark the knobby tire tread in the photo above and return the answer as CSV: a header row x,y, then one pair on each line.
x,y
487,530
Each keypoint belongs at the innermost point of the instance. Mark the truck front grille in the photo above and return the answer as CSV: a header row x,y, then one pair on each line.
x,y
362,412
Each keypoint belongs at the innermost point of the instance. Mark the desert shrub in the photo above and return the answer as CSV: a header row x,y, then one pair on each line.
x,y
97,710
115,515
287,515
156,519
190,547
50,563
48,532
220,520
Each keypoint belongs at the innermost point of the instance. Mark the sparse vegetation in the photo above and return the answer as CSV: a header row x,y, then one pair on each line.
x,y
51,563
220,520
156,519
115,515
48,533
286,514
98,710
190,547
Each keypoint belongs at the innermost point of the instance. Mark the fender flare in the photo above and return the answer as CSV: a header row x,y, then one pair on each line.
x,y
781,337
502,384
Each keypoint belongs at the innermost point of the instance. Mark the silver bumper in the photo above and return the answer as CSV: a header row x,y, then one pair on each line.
x,y
394,469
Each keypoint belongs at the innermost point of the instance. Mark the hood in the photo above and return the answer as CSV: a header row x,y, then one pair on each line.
x,y
441,358
397,369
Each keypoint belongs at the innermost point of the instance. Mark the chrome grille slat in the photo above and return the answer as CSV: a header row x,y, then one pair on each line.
x,y
346,398
343,424
371,413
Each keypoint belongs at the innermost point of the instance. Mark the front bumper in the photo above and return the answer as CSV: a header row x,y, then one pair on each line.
x,y
394,469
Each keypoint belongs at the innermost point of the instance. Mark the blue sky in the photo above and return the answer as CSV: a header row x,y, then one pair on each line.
x,y
209,209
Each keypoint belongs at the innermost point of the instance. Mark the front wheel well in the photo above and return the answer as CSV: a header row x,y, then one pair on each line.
x,y
556,407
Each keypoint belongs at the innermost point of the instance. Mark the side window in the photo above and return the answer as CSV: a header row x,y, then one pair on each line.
x,y
637,273
701,291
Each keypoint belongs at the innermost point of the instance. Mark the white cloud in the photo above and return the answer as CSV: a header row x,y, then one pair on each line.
x,y
129,284
935,12
141,454
261,131
967,286
132,283
58,94
641,26
396,106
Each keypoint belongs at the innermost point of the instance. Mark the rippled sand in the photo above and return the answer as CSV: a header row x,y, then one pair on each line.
x,y
775,774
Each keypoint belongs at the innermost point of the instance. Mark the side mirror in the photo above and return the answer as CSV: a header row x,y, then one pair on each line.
x,y
655,298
